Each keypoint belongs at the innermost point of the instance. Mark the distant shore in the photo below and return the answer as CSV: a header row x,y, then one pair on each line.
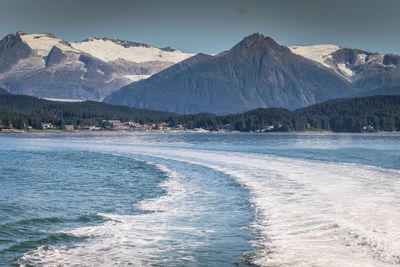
x,y
4,131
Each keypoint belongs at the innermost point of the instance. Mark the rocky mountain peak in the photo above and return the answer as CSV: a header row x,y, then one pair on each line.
x,y
12,49
55,56
257,40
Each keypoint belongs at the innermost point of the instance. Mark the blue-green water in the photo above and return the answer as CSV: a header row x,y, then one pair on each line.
x,y
185,199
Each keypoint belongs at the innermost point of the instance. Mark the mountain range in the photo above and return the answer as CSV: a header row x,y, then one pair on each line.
x,y
45,66
256,72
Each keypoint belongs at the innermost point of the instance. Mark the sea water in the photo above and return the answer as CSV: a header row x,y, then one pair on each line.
x,y
199,199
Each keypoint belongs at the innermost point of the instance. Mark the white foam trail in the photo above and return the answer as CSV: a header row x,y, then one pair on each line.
x,y
308,213
138,240
311,213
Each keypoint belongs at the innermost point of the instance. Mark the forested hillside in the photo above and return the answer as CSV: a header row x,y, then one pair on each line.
x,y
375,113
21,111
351,115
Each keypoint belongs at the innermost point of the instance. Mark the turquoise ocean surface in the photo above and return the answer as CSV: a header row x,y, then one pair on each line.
x,y
199,199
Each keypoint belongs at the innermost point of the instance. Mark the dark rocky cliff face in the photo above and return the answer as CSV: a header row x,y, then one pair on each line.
x,y
257,72
390,59
55,56
12,49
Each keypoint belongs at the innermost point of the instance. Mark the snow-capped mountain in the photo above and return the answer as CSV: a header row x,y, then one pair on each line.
x,y
366,70
111,50
45,66
258,72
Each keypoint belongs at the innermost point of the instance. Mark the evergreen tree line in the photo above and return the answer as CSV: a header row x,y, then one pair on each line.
x,y
376,113
20,111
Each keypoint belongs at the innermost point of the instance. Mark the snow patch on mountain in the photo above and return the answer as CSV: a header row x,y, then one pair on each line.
x,y
108,51
318,53
135,78
345,70
63,100
362,58
42,43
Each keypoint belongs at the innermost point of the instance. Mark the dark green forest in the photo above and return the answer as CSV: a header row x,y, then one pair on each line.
x,y
381,112
375,113
21,111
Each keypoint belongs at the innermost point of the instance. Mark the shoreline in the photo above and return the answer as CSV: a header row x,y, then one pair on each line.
x,y
5,131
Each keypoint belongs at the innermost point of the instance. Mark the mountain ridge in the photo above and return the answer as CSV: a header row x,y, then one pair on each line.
x,y
268,75
45,66
256,72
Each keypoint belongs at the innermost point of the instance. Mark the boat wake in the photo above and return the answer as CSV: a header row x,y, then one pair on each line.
x,y
180,228
311,212
306,213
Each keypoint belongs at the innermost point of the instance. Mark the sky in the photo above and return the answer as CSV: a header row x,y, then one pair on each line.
x,y
211,26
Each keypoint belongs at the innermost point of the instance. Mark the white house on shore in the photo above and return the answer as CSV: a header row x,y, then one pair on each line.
x,y
47,125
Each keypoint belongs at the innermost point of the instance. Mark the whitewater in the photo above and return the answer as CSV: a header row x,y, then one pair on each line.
x,y
220,200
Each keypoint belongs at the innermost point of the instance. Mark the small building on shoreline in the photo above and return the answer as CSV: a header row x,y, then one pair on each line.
x,y
69,127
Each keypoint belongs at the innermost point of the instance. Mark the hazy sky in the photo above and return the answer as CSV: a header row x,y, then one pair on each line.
x,y
211,26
